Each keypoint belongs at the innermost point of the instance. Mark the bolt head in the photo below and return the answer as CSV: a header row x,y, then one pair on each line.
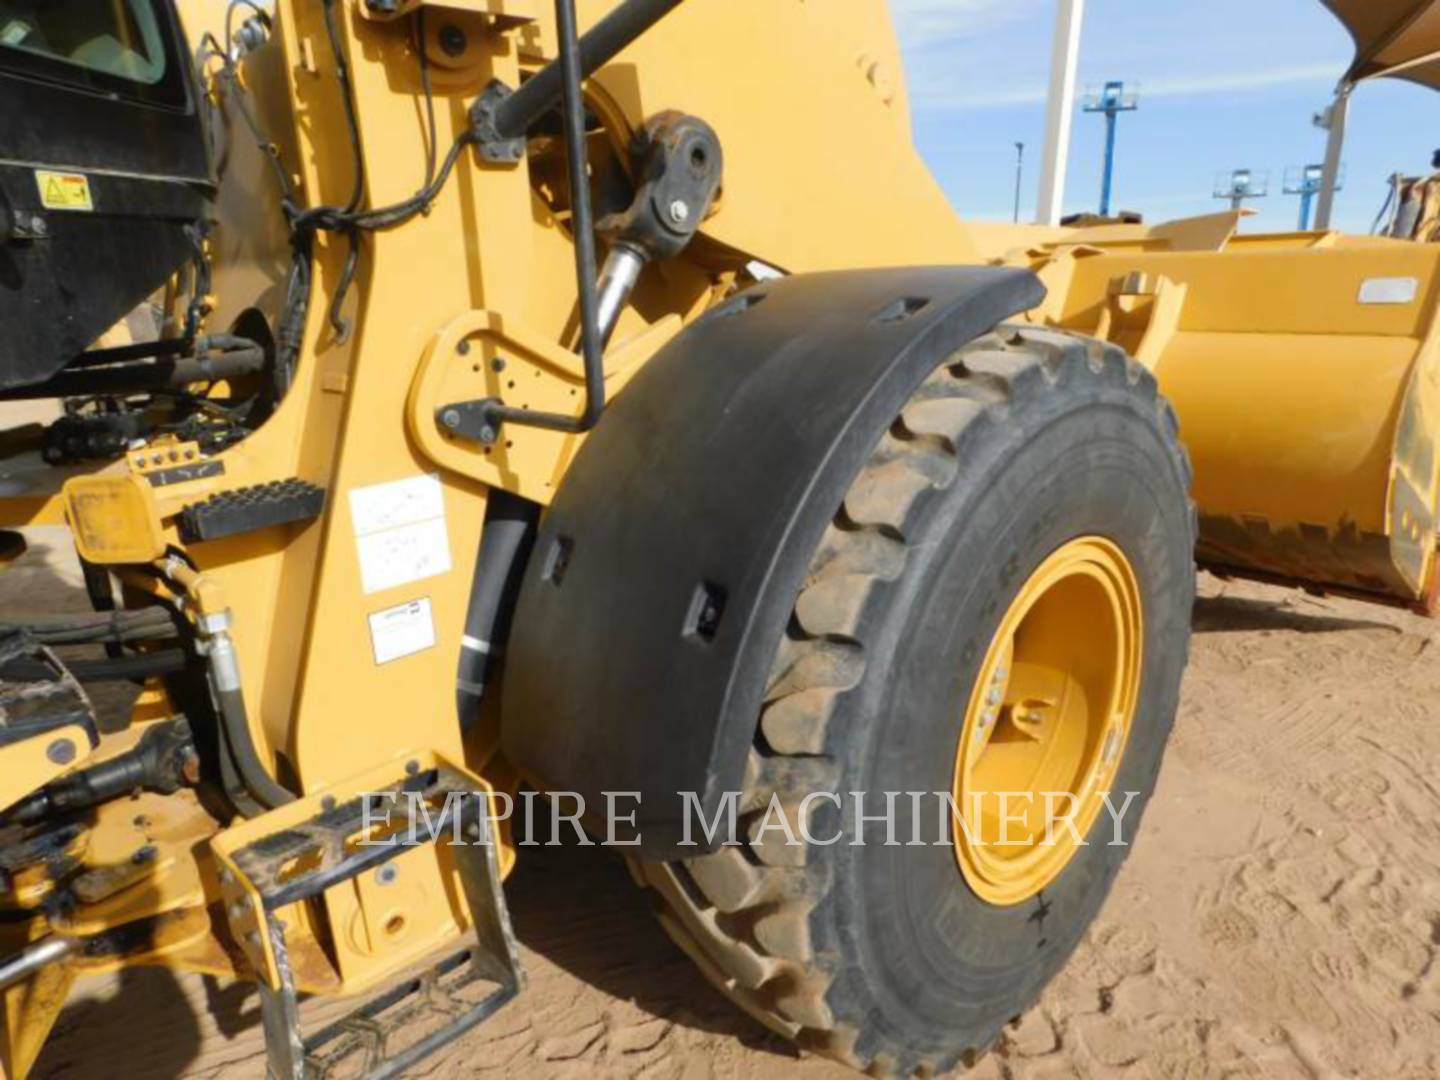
x,y
679,211
61,751
450,418
386,875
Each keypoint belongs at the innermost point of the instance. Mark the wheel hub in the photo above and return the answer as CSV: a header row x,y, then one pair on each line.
x,y
1046,726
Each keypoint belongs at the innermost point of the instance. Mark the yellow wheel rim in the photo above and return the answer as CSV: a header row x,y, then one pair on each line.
x,y
1048,721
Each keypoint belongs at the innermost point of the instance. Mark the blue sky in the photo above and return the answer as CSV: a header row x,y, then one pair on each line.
x,y
1225,84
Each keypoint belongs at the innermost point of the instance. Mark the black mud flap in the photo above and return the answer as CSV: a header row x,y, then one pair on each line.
x,y
666,568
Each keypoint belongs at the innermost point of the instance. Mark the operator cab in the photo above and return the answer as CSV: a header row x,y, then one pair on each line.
x,y
105,173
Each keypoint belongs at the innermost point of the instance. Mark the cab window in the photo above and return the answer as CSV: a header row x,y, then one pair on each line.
x,y
112,46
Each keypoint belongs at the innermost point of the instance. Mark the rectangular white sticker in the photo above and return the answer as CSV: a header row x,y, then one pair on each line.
x,y
400,533
402,631
1389,290
400,502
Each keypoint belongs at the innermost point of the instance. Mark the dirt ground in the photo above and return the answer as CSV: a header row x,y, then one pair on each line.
x,y
1279,917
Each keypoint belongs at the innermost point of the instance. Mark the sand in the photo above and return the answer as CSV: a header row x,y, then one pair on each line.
x,y
1279,917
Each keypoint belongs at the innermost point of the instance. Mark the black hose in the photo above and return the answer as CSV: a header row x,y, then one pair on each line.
x,y
136,624
505,544
235,723
135,666
120,354
163,374
101,591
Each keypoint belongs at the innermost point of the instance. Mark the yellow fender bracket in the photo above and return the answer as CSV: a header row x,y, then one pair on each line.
x,y
481,355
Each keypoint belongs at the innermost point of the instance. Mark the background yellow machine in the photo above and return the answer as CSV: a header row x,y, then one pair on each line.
x,y
608,401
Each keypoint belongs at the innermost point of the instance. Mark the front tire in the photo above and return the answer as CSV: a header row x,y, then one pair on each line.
x,y
886,957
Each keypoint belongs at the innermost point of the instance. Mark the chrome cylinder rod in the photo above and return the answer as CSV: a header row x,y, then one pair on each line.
x,y
32,958
617,280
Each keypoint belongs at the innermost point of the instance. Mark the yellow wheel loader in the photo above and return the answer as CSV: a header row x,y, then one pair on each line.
x,y
465,399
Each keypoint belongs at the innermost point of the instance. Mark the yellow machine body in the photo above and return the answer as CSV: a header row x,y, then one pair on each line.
x,y
1304,371
1303,368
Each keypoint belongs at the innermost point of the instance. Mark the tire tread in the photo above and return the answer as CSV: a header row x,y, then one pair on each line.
x,y
768,963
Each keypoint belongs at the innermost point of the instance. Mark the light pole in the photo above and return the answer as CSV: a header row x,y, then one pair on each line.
x,y
1111,99
1332,121
1019,176
1240,184
1308,181
1064,62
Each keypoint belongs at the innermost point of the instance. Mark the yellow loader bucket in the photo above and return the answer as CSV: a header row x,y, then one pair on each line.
x,y
1304,371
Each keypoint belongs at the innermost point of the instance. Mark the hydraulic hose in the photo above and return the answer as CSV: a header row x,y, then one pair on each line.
x,y
225,685
505,544
124,669
130,625
235,722
162,374
268,791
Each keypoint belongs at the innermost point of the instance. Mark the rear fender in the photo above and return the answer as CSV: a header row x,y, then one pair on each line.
x,y
665,571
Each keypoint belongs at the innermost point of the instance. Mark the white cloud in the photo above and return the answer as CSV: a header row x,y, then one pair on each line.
x,y
937,90
922,23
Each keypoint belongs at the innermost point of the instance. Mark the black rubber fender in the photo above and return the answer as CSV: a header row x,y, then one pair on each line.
x,y
666,568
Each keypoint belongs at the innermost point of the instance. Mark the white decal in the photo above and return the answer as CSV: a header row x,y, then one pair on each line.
x,y
400,532
1389,290
402,631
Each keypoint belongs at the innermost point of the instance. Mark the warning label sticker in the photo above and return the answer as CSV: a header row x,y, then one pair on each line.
x,y
402,631
63,190
400,532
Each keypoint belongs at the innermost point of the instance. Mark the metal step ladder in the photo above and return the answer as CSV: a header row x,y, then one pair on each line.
x,y
302,859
